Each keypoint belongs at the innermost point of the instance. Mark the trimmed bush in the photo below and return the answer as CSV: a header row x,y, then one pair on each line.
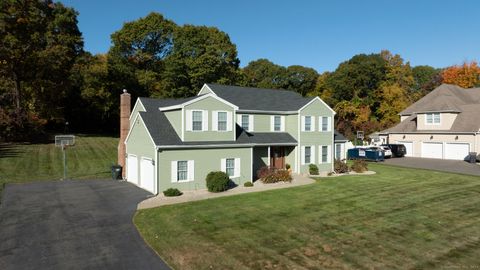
x,y
313,169
287,166
172,192
217,181
340,166
359,166
248,184
277,176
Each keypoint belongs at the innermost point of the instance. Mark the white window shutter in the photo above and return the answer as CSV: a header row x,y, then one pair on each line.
x,y
303,123
174,171
214,120
223,165
320,123
272,123
312,154
302,152
237,167
229,121
189,120
329,125
250,123
191,170
329,154
320,161
312,128
239,119
205,120
282,123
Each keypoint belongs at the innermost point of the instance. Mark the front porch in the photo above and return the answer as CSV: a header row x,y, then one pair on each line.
x,y
277,156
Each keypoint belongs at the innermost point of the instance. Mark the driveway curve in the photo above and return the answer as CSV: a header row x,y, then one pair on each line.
x,y
73,225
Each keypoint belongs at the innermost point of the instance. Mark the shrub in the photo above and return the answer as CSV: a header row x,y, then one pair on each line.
x,y
340,166
172,192
264,171
313,169
359,166
277,176
248,184
217,181
287,166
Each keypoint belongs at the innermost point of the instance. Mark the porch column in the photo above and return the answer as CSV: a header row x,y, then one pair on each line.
x,y
269,156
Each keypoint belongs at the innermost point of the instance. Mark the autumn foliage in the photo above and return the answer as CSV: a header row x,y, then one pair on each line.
x,y
466,75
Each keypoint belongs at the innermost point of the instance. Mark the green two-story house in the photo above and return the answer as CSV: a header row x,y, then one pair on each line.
x,y
175,143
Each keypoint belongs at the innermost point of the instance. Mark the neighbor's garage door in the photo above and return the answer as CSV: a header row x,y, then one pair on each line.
x,y
147,175
408,147
432,150
458,151
132,169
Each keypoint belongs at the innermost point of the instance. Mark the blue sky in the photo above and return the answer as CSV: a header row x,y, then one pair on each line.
x,y
318,34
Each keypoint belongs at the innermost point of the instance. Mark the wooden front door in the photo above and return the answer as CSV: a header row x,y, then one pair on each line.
x,y
277,157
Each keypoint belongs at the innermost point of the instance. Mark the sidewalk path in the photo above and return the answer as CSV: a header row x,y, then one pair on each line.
x,y
203,194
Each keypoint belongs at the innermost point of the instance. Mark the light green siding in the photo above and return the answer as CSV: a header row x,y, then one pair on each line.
x,y
210,104
206,160
137,108
175,119
290,156
317,138
261,122
291,125
260,159
139,143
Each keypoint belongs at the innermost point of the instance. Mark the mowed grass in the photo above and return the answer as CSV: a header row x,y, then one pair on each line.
x,y
91,157
397,219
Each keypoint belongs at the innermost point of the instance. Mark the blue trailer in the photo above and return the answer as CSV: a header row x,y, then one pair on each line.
x,y
366,154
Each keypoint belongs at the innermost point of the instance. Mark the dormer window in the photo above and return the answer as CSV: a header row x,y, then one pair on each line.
x,y
222,121
197,120
432,118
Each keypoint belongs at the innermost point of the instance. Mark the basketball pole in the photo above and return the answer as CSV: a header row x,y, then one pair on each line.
x,y
64,163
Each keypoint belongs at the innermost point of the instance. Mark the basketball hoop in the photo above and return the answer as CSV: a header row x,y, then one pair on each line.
x,y
64,141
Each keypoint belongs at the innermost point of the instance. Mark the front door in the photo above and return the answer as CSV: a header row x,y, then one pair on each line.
x,y
277,157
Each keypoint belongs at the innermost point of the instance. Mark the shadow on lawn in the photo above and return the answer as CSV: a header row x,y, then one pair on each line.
x,y
10,150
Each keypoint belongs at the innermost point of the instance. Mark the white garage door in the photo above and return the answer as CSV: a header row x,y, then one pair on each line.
x,y
147,175
408,147
432,150
132,169
458,151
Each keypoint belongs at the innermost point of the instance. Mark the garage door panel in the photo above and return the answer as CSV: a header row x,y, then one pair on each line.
x,y
147,175
432,150
457,151
132,169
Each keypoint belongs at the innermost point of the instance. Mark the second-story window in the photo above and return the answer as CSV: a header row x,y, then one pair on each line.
x,y
277,123
222,121
197,120
433,118
245,121
308,123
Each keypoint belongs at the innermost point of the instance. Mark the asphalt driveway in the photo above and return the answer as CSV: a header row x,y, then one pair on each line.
x,y
73,225
454,166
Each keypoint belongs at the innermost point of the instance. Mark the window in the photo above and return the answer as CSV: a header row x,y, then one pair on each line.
x,y
182,171
308,123
277,123
324,154
197,117
245,122
308,154
324,123
230,166
338,151
433,118
222,121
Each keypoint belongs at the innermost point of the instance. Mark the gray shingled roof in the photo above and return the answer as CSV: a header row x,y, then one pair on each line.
x,y
338,137
248,98
445,98
163,133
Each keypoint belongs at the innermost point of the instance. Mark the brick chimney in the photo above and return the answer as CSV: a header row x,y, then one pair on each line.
x,y
125,100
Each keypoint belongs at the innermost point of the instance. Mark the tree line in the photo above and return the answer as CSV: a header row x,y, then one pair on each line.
x,y
47,78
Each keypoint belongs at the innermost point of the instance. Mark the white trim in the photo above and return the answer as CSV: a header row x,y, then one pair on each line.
x,y
317,98
297,149
183,124
145,126
182,105
155,174
223,145
251,164
268,161
135,106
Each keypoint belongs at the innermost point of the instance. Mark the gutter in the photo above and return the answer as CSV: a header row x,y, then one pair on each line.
x,y
158,147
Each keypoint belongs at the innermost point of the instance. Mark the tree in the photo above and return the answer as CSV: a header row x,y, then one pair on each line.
x,y
264,74
426,79
39,41
301,79
467,75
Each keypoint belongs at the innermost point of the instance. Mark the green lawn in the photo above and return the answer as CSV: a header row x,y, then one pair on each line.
x,y
91,157
397,219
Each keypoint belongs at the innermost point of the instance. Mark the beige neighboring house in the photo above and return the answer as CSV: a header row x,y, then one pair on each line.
x,y
444,124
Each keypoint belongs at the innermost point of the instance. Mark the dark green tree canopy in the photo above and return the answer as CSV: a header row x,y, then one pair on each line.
x,y
264,74
301,79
